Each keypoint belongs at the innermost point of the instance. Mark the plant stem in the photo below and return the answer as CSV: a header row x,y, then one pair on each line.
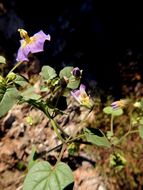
x,y
61,153
17,65
111,125
54,124
126,134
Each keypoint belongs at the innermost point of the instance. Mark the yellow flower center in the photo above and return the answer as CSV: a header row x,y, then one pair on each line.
x,y
84,99
27,39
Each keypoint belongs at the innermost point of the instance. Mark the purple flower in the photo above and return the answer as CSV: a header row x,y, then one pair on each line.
x,y
119,104
76,72
81,96
32,44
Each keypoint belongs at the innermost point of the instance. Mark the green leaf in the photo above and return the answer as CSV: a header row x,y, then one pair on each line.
x,y
66,72
42,176
8,97
48,73
141,121
108,110
114,112
117,112
141,131
97,137
32,160
20,80
2,60
73,83
30,94
44,88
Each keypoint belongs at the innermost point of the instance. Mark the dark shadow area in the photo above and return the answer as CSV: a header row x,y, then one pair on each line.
x,y
69,187
91,35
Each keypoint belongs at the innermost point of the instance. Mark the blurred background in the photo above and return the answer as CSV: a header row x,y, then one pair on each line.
x,y
100,38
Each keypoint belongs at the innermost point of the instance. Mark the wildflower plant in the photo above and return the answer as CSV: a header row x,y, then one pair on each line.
x,y
41,174
66,82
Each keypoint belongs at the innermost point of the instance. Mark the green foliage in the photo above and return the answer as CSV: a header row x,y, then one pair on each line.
x,y
72,148
8,97
48,73
20,80
29,120
66,72
73,82
117,161
141,131
42,176
97,137
29,93
2,60
108,110
55,90
117,112
111,111
11,76
32,158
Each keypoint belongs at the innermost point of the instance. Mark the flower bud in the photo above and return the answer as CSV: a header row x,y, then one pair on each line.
x,y
2,81
11,76
76,72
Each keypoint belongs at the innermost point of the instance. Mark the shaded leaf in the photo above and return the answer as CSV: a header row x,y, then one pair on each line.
x,y
8,97
42,176
20,80
97,137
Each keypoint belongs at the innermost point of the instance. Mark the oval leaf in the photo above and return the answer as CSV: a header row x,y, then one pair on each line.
x,y
96,136
117,112
66,71
2,60
48,73
108,110
43,177
73,83
8,97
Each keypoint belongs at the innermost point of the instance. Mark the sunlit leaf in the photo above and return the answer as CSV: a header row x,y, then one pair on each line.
x,y
30,94
73,83
48,73
97,137
66,72
42,176
117,112
2,60
108,110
